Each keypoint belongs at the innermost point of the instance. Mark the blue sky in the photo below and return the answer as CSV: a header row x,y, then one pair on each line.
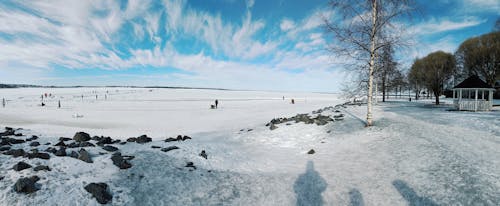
x,y
235,44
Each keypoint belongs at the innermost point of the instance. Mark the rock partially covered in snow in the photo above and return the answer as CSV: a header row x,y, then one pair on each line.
x,y
109,148
41,167
311,151
100,192
83,155
21,166
143,139
61,152
119,161
26,185
169,148
15,152
81,137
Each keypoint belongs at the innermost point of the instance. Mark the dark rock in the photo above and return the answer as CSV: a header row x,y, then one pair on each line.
x,y
80,144
109,148
169,148
39,155
4,148
83,155
15,152
96,138
119,161
311,151
34,137
143,139
15,141
249,130
73,154
41,167
1,178
35,144
81,137
60,144
104,140
61,152
26,185
64,139
100,192
186,138
48,143
123,143
18,134
155,147
21,166
170,139
179,137
190,164
268,124
132,139
273,127
203,154
51,150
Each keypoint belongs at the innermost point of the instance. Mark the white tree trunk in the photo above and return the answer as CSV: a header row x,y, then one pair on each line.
x,y
369,115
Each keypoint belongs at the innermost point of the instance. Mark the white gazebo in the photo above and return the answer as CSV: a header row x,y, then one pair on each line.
x,y
473,94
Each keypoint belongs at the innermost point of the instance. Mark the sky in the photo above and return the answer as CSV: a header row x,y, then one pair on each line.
x,y
234,44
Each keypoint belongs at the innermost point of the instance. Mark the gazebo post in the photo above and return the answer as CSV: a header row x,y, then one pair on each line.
x,y
475,102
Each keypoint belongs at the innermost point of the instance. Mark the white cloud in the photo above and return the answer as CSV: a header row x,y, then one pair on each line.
x,y
443,25
286,25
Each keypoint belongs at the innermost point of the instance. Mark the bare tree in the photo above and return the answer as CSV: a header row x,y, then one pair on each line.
x,y
386,71
364,27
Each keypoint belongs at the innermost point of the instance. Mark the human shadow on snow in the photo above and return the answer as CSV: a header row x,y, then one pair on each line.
x,y
356,198
410,195
309,187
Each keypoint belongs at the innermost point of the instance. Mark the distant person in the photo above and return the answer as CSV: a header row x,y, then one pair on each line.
x,y
59,104
3,102
283,97
293,101
216,103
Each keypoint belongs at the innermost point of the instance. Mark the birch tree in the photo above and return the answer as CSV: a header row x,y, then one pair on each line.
x,y
362,27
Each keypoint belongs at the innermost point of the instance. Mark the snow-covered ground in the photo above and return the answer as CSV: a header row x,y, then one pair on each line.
x,y
416,154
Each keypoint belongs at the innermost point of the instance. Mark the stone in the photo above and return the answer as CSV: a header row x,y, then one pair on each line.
x,y
21,166
15,152
166,149
15,141
132,139
273,127
179,137
41,167
119,161
104,140
35,144
83,155
170,139
155,147
311,151
51,150
61,152
4,148
64,139
60,144
109,148
39,155
190,164
34,137
26,185
186,138
18,134
81,137
100,192
203,154
74,154
143,139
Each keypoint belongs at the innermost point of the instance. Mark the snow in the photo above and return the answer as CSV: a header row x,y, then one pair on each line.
x,y
416,154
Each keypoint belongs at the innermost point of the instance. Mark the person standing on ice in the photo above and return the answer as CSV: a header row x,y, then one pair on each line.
x,y
216,103
3,102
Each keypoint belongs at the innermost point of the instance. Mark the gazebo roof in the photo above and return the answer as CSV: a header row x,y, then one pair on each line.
x,y
473,82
